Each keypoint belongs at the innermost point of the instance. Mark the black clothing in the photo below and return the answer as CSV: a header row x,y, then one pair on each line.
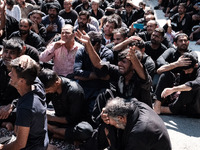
x,y
7,92
135,15
147,37
32,52
171,55
76,3
32,39
149,64
82,7
31,112
177,25
137,88
44,6
154,53
42,31
12,25
144,130
70,17
188,102
100,13
70,103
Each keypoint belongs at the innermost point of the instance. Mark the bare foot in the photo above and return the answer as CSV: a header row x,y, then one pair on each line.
x,y
52,147
157,106
8,126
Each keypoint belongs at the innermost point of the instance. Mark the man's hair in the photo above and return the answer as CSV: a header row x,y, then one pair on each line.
x,y
178,35
160,30
84,13
10,2
12,44
29,71
123,54
193,58
26,19
36,12
153,21
118,107
112,20
48,77
183,5
138,43
117,21
95,37
123,31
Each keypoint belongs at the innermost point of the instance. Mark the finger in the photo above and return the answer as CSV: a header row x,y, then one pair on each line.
x,y
84,33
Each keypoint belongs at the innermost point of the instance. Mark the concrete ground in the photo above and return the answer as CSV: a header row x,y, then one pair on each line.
x,y
184,132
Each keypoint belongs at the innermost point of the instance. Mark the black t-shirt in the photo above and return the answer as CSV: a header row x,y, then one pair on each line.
x,y
154,53
31,112
70,17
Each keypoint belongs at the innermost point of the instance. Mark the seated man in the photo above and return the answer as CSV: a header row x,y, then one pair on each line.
x,y
28,36
31,119
67,98
183,89
131,77
141,128
62,52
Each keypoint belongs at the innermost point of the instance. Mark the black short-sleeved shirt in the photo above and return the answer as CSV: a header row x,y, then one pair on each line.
x,y
70,17
31,112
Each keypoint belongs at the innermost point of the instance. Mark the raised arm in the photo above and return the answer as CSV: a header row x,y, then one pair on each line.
x,y
179,63
125,43
94,57
136,63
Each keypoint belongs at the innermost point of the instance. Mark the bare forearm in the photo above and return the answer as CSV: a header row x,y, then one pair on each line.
x,y
58,119
121,46
167,67
181,88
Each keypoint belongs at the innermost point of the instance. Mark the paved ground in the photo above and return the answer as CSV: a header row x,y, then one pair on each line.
x,y
184,132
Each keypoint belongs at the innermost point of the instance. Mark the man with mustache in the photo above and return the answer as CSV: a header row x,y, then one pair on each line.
x,y
83,22
170,62
28,36
53,22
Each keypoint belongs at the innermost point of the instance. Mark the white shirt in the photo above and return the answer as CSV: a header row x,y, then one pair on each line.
x,y
15,12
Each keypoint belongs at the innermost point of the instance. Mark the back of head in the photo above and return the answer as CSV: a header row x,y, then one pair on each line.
x,y
26,68
95,37
48,77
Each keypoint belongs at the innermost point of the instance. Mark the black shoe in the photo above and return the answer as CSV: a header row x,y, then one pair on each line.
x,y
157,7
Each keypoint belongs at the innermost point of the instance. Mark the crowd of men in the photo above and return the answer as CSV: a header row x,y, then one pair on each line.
x,y
105,67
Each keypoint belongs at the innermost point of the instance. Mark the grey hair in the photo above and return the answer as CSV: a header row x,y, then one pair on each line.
x,y
117,107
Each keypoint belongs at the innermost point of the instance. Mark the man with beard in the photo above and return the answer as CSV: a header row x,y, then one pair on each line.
x,y
139,127
180,22
146,35
53,22
84,6
83,24
155,48
28,36
131,77
179,93
170,62
68,14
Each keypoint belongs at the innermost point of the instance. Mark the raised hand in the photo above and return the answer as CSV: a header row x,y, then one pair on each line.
x,y
183,62
83,37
